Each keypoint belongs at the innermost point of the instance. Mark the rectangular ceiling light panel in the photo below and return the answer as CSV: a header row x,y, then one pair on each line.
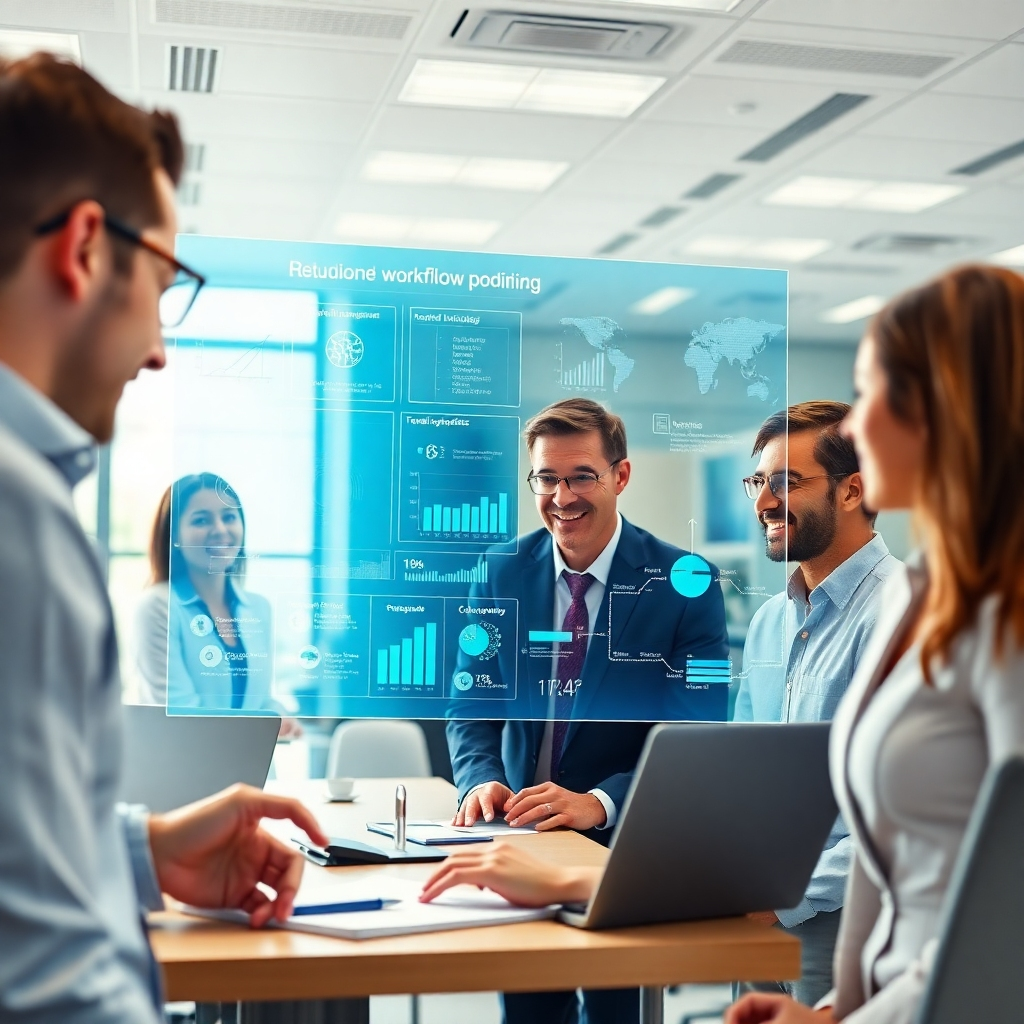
x,y
1009,257
785,250
379,227
764,53
862,194
685,5
813,121
858,309
473,171
662,300
450,83
15,44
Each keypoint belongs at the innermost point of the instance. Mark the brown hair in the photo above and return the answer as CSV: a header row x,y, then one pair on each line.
x,y
953,353
65,138
832,451
160,541
579,416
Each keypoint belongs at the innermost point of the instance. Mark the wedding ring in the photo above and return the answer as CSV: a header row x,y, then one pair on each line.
x,y
548,806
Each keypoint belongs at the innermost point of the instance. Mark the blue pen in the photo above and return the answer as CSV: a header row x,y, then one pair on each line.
x,y
351,907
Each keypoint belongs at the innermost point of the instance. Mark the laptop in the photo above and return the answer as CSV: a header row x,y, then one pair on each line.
x,y
976,975
172,760
721,820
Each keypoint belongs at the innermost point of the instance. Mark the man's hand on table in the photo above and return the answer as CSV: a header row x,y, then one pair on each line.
x,y
484,802
757,1008
213,852
511,872
548,806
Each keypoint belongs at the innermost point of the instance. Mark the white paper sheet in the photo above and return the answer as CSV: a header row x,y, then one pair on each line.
x,y
462,907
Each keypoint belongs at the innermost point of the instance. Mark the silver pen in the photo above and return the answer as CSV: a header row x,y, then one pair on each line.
x,y
400,817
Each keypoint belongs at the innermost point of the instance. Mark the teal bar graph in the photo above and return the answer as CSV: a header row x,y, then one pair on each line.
x,y
410,662
490,515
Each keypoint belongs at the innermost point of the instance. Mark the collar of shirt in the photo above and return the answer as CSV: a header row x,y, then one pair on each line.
x,y
47,429
840,584
602,565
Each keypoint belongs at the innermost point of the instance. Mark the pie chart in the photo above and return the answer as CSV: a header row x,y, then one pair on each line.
x,y
480,640
690,575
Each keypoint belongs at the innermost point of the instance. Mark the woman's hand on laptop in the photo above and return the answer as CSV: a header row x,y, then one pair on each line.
x,y
757,1008
213,853
513,874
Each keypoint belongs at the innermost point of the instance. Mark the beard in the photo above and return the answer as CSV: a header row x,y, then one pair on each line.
x,y
809,536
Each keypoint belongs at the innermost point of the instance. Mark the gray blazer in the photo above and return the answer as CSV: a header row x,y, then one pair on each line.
x,y
907,761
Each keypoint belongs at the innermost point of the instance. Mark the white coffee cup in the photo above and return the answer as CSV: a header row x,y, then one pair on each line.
x,y
341,789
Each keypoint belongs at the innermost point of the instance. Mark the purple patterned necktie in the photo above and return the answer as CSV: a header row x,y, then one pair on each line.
x,y
570,659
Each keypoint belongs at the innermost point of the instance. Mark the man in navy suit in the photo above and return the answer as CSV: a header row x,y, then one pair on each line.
x,y
576,713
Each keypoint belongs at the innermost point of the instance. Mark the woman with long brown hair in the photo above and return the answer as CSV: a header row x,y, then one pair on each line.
x,y
939,696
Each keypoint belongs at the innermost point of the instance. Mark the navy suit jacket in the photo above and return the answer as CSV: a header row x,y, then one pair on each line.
x,y
499,740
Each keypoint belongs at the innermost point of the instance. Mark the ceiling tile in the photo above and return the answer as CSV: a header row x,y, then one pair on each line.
x,y
954,118
1000,73
991,20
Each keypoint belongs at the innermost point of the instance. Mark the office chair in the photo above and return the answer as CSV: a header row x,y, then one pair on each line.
x,y
378,750
977,972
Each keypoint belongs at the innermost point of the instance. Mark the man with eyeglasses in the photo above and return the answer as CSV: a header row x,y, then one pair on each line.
x,y
87,273
584,716
803,646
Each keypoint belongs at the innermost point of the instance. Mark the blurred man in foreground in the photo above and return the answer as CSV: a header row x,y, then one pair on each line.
x,y
87,272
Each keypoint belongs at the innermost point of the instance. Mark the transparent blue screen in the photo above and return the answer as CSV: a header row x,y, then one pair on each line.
x,y
353,534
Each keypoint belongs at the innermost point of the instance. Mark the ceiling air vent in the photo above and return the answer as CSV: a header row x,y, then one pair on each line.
x,y
832,58
915,245
617,243
331,21
813,121
192,68
990,160
711,186
551,33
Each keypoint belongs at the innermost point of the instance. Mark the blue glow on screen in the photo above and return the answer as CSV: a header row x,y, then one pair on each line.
x,y
365,407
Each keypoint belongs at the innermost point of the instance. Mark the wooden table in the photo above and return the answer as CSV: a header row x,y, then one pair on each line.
x,y
209,961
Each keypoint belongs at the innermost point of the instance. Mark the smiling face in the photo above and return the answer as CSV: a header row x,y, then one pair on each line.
x,y
581,525
891,451
808,526
210,533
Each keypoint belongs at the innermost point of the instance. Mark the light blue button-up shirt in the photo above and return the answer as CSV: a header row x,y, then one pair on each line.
x,y
75,870
801,652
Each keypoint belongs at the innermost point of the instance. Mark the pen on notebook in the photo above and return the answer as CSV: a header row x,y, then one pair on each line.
x,y
350,907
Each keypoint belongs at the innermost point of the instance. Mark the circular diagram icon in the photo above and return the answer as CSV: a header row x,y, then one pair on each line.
x,y
480,640
211,656
309,657
463,681
691,575
344,350
201,625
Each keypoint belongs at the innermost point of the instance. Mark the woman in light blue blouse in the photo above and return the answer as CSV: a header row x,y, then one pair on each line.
x,y
204,642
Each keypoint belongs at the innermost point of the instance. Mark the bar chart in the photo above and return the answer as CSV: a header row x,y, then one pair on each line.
x,y
587,374
486,515
406,640
477,574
